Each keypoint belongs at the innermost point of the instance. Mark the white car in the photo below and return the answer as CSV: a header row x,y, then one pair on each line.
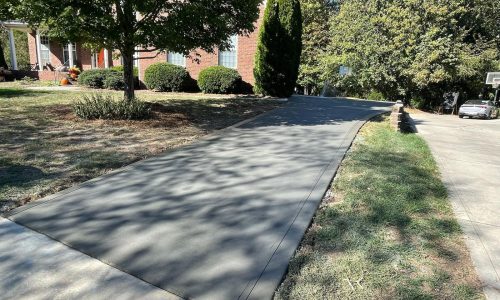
x,y
478,108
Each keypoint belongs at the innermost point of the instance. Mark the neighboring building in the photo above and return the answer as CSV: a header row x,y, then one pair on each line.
x,y
47,55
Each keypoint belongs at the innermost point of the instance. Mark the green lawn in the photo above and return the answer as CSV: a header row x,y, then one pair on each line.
x,y
44,148
386,232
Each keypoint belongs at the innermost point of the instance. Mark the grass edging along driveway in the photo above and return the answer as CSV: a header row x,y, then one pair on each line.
x,y
386,230
44,148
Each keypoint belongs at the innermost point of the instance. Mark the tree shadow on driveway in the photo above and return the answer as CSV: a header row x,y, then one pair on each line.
x,y
213,219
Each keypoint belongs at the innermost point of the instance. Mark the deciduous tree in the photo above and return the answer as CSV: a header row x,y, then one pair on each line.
x,y
316,16
143,25
412,49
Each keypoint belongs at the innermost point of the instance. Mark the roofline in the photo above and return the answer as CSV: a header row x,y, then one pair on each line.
x,y
16,24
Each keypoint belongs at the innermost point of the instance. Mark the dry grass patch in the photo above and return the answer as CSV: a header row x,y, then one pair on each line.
x,y
44,148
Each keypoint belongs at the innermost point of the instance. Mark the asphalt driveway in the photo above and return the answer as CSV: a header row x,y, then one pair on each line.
x,y
218,219
468,154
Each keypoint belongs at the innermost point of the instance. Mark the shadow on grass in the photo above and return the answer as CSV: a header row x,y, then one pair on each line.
x,y
214,114
12,175
9,93
391,208
394,192
397,190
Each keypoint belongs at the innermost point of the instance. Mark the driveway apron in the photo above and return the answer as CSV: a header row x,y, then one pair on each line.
x,y
218,219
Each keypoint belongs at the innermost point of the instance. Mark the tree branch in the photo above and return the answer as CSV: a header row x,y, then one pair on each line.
x,y
147,50
152,14
148,57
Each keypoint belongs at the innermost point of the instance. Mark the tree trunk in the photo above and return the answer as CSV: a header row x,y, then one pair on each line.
x,y
3,63
128,74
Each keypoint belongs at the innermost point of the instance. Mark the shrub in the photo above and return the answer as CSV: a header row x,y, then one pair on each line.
x,y
166,77
95,78
114,81
418,102
219,80
137,82
120,69
279,48
99,106
92,78
375,95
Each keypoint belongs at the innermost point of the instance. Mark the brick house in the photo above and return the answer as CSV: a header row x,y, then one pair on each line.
x,y
47,55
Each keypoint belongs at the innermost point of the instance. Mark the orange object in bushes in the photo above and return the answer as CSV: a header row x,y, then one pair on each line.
x,y
64,81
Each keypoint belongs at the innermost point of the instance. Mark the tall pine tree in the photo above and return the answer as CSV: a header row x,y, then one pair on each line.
x,y
279,49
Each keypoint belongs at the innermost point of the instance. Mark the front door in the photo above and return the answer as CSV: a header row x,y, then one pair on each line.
x,y
100,59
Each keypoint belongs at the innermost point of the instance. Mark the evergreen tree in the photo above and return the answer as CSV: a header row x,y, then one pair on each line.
x,y
279,49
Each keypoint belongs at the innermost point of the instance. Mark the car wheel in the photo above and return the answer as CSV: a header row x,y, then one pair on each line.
x,y
461,116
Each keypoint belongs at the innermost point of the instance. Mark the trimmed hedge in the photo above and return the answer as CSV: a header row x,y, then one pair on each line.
x,y
166,77
92,78
114,81
219,80
96,78
120,69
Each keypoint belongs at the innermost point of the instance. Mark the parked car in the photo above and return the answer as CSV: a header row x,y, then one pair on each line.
x,y
478,108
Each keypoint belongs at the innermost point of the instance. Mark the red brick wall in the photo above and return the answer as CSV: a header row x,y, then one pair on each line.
x,y
247,47
50,75
147,59
83,56
32,48
56,54
200,60
40,75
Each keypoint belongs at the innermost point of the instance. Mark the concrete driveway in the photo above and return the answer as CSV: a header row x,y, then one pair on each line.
x,y
218,219
468,153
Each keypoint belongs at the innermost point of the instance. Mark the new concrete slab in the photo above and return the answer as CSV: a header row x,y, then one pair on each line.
x,y
467,151
218,219
33,266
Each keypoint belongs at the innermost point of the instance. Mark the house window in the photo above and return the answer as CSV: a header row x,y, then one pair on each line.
x,y
66,56
176,59
229,57
136,59
44,50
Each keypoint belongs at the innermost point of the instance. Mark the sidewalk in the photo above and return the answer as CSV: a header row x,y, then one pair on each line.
x,y
34,266
468,154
